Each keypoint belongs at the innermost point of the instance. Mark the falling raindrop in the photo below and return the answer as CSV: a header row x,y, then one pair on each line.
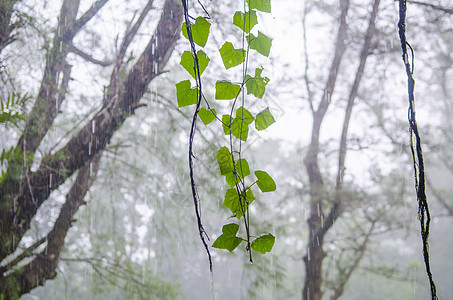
x,y
308,253
50,180
143,274
319,210
93,126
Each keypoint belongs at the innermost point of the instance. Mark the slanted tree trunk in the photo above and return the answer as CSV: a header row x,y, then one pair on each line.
x,y
21,196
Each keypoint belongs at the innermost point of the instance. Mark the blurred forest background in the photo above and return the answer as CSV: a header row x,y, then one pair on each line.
x,y
334,65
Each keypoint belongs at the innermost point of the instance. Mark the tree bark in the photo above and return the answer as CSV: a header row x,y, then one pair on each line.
x,y
21,197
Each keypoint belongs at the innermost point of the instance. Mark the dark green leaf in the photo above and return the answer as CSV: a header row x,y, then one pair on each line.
x,y
206,116
228,240
264,243
225,90
244,21
265,182
264,119
225,160
256,85
200,31
261,43
238,205
185,95
188,62
231,57
261,5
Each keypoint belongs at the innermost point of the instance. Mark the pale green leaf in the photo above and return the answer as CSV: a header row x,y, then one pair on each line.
x,y
225,160
225,90
231,57
261,5
245,21
256,85
264,119
261,43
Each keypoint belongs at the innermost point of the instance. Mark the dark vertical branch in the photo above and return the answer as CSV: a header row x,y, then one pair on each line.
x,y
196,199
416,150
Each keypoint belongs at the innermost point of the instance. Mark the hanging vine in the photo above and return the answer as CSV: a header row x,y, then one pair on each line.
x,y
233,167
416,150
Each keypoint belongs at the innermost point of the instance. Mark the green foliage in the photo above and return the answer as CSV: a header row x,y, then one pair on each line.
x,y
14,159
265,182
188,62
231,57
232,165
245,21
11,108
228,239
256,85
207,116
238,203
186,95
225,160
261,5
261,43
225,90
264,119
200,31
264,243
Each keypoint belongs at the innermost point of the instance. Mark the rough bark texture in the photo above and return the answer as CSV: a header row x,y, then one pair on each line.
x,y
319,223
22,196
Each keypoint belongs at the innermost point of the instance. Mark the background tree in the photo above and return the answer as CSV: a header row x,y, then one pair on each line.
x,y
24,192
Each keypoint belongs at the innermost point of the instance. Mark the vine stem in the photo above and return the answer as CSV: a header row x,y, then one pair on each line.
x,y
416,150
196,199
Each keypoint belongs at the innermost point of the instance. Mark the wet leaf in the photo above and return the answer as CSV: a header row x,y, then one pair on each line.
x,y
264,243
238,205
228,240
265,182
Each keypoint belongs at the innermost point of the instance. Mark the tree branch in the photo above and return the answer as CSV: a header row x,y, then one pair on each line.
x,y
87,16
88,57
433,6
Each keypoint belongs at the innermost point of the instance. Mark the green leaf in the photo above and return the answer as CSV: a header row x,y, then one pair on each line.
x,y
228,240
231,57
225,90
239,130
226,123
245,21
242,170
264,243
242,167
261,43
256,85
265,182
231,179
264,119
185,95
245,115
261,5
200,31
188,62
238,205
206,116
225,160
